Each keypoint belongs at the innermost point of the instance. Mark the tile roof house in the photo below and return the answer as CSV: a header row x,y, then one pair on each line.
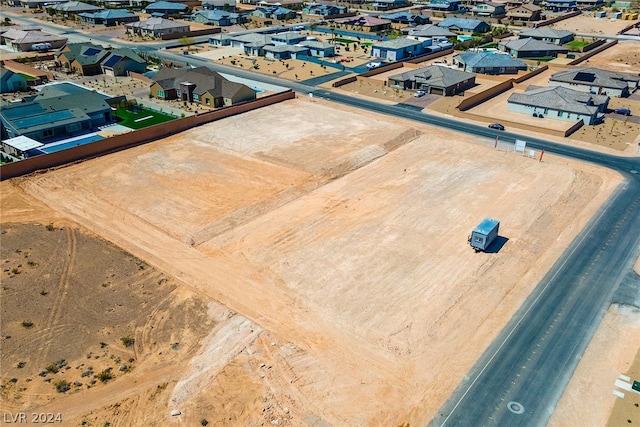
x,y
489,9
559,103
11,82
226,5
399,48
200,85
561,5
82,58
35,76
218,17
74,7
364,23
157,27
119,62
23,41
548,35
595,80
274,12
525,12
324,10
108,17
167,7
389,4
450,5
488,63
428,31
406,18
465,25
434,79
288,37
56,114
531,48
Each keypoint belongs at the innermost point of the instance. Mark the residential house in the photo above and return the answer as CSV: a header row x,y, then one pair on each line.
x,y
119,62
595,80
549,35
589,4
561,5
525,12
200,85
82,58
319,49
399,48
406,18
24,41
11,82
429,31
274,12
466,26
219,18
382,5
284,51
226,5
364,23
108,17
72,8
489,9
324,10
157,27
445,5
288,37
559,103
34,76
434,79
532,48
488,63
56,113
167,8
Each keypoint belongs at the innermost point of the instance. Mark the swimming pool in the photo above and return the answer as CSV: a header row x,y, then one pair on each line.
x,y
70,144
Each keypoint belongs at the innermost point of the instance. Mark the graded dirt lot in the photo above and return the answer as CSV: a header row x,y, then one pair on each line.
x,y
587,24
322,254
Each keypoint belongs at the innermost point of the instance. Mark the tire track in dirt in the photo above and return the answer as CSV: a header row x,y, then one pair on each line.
x,y
61,296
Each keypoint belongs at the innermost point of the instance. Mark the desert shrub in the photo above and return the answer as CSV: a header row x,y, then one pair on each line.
x,y
62,386
105,375
27,324
127,341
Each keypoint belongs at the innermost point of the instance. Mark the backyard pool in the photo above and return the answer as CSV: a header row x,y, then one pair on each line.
x,y
52,148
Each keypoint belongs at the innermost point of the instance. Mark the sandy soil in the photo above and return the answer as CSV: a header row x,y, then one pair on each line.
x,y
339,238
610,353
623,57
587,24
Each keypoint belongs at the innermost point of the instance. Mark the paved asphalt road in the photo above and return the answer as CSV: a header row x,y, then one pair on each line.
x,y
522,374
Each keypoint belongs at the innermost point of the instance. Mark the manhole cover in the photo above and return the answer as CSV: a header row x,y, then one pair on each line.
x,y
515,407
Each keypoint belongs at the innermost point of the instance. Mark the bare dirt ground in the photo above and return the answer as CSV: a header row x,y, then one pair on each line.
x,y
339,239
610,353
587,24
624,57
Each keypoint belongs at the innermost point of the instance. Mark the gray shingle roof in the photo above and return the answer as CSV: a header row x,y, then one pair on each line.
x,y
156,24
206,80
595,77
434,75
488,60
430,30
399,43
462,23
545,32
529,45
559,98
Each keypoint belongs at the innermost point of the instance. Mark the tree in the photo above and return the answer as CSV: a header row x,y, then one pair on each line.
x,y
7,21
186,41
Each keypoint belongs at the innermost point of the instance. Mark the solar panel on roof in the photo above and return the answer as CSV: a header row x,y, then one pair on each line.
x,y
43,118
112,61
91,51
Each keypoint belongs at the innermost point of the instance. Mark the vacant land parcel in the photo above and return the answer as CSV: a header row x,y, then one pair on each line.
x,y
342,237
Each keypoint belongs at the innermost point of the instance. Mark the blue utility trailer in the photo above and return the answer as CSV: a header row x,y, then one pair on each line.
x,y
485,233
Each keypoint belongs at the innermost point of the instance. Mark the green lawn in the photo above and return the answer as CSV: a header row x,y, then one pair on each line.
x,y
347,41
144,117
577,43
